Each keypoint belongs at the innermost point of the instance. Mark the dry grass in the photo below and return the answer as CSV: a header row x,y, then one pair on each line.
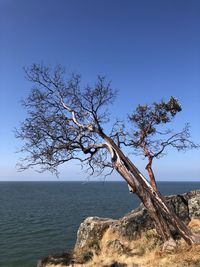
x,y
184,256
144,252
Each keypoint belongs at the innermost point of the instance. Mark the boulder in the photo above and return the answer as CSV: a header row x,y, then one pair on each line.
x,y
194,204
91,231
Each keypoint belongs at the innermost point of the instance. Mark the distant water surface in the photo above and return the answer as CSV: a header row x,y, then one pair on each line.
x,y
42,218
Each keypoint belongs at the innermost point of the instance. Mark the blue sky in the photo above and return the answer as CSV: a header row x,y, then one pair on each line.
x,y
148,49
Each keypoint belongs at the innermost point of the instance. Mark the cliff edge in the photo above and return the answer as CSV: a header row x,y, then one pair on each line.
x,y
132,240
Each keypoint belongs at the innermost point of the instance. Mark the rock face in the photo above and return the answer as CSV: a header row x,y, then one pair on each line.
x,y
91,231
193,199
97,234
133,224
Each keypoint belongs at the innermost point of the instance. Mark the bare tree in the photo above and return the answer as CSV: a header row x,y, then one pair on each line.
x,y
65,122
148,137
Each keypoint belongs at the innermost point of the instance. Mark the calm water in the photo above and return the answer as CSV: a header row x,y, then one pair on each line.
x,y
40,218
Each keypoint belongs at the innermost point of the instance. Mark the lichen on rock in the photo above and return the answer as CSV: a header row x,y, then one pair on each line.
x,y
91,230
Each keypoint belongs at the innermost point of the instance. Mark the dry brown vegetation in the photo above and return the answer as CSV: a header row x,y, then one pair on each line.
x,y
144,252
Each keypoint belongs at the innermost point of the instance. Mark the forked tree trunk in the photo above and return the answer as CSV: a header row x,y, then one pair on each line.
x,y
158,210
161,226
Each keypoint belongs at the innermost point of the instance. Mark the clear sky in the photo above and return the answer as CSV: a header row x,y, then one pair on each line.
x,y
149,49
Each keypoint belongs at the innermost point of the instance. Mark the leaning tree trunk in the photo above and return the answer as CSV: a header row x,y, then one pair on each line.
x,y
160,224
151,174
158,210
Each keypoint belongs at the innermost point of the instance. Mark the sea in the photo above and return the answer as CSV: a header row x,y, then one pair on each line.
x,y
42,218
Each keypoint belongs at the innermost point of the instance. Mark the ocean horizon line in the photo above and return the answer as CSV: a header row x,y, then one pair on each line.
x,y
92,181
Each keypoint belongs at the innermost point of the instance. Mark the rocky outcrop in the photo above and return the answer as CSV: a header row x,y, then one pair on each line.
x,y
133,224
113,236
193,200
91,231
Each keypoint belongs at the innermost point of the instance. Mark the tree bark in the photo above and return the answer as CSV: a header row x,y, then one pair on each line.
x,y
158,210
159,222
151,174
